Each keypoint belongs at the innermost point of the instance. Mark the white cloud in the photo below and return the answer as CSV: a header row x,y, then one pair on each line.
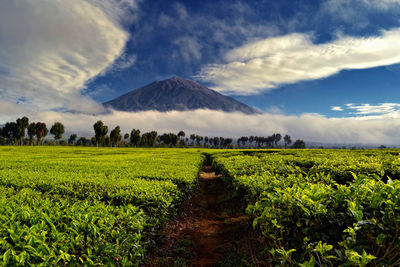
x,y
49,49
388,109
264,65
381,129
124,62
336,108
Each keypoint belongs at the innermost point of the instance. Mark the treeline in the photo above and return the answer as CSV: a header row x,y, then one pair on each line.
x,y
21,132
14,133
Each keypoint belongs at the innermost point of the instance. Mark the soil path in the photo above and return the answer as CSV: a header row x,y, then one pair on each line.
x,y
213,229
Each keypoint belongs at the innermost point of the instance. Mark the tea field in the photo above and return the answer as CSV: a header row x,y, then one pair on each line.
x,y
320,207
88,206
100,206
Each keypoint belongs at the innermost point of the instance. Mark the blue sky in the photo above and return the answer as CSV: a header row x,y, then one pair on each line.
x,y
181,37
325,71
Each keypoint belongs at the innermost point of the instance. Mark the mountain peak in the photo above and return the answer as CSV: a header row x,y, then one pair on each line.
x,y
189,84
176,78
177,93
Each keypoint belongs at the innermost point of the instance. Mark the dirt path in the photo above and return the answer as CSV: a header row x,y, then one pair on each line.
x,y
213,229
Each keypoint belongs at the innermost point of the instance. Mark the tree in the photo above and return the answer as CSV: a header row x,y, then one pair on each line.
x,y
181,134
149,139
32,129
57,130
221,141
174,139
72,139
83,141
182,143
287,140
270,140
101,131
211,141
22,124
227,142
126,136
192,137
10,131
135,138
299,144
3,139
206,140
198,139
277,137
258,140
169,139
41,131
216,141
243,140
107,140
115,136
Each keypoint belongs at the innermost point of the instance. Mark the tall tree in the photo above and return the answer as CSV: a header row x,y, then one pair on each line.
x,y
174,139
227,142
41,131
198,139
149,139
32,131
277,138
206,140
3,139
115,136
169,139
216,141
72,139
57,130
153,138
192,138
211,141
22,124
243,140
181,134
10,131
101,131
287,140
135,138
269,140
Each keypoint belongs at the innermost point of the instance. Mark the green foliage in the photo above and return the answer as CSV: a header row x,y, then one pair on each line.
x,y
88,206
41,131
334,207
101,131
135,138
42,230
57,130
299,144
115,136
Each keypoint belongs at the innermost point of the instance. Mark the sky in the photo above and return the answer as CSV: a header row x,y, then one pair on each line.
x,y
324,71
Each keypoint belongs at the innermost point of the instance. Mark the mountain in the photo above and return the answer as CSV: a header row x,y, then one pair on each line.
x,y
177,94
